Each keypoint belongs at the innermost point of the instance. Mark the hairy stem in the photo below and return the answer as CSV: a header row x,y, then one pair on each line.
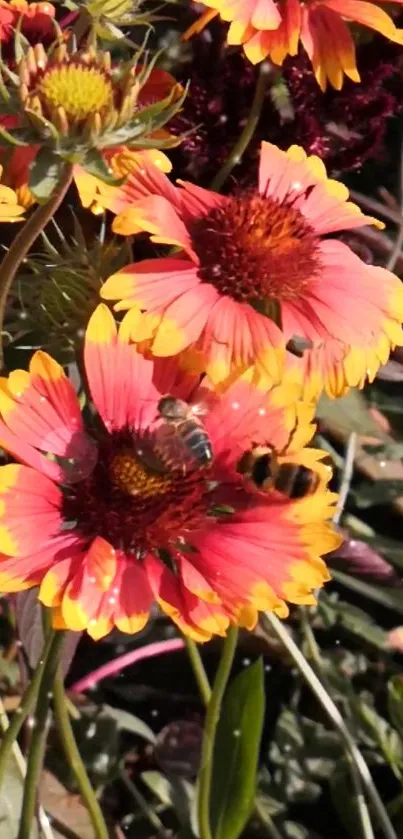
x,y
38,740
25,239
210,728
74,760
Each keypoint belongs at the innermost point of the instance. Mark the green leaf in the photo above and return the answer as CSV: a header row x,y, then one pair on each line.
x,y
353,619
95,164
236,753
98,739
378,492
159,785
386,738
11,795
388,597
344,798
45,173
304,754
349,413
129,722
294,830
395,701
172,792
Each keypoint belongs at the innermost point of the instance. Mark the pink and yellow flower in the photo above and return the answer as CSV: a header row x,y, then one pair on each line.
x,y
274,29
104,526
255,271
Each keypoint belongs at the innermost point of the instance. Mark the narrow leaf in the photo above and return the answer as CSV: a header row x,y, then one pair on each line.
x,y
129,722
344,798
395,701
236,753
390,598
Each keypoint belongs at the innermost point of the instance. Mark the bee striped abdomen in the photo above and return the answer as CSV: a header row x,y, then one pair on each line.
x,y
197,440
296,481
262,469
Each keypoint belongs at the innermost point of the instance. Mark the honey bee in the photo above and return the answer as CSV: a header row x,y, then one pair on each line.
x,y
180,439
291,479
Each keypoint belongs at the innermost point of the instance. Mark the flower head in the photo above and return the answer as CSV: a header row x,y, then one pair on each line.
x,y
108,521
258,269
109,17
77,106
268,28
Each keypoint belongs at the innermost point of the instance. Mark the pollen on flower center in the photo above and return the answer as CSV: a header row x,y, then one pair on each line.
x,y
134,507
254,248
130,475
79,89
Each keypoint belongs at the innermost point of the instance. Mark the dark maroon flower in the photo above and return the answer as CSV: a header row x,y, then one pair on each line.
x,y
344,128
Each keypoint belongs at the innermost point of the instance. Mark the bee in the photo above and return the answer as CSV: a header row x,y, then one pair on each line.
x,y
291,479
180,439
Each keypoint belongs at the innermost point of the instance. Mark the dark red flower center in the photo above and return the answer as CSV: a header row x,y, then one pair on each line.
x,y
253,248
135,507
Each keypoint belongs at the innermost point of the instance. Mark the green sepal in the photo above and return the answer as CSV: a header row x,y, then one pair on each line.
x,y
94,164
44,174
42,125
11,139
145,122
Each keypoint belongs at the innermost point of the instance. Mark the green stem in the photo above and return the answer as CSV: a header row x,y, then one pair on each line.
x,y
245,137
272,623
144,806
205,693
74,758
25,707
24,240
210,728
198,669
38,739
19,760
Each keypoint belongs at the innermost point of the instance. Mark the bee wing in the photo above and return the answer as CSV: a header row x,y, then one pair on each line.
x,y
171,448
199,409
